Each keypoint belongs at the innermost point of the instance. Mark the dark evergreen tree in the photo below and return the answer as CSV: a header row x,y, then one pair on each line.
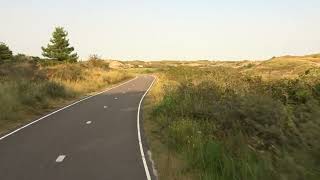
x,y
60,49
5,53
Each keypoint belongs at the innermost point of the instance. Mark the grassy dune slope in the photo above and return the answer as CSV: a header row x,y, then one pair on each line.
x,y
235,121
29,89
286,66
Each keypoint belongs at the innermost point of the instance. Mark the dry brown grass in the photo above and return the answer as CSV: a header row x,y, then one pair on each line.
x,y
83,78
284,67
29,89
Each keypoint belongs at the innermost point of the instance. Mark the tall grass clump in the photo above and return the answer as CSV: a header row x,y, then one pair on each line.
x,y
226,124
86,77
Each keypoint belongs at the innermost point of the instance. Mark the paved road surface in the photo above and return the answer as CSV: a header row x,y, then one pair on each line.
x,y
91,140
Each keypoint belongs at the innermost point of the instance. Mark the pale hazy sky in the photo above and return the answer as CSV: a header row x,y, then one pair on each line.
x,y
166,29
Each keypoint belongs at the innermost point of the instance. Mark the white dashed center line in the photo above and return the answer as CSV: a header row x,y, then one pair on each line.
x,y
60,158
88,122
105,107
115,98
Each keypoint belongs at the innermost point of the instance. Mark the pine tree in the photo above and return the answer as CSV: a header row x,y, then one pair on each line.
x,y
5,53
59,48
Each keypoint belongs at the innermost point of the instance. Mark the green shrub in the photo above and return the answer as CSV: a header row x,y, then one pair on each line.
x,y
30,93
9,102
96,61
55,90
5,53
317,89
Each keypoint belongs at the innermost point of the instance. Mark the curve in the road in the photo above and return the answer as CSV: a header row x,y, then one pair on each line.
x,y
65,107
66,146
139,133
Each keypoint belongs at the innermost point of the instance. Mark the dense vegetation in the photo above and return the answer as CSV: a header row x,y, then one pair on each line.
x,y
224,123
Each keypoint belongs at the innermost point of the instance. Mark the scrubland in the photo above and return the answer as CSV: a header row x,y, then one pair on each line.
x,y
30,88
236,120
232,120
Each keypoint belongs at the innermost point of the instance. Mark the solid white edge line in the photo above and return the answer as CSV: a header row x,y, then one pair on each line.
x,y
139,134
154,170
1,138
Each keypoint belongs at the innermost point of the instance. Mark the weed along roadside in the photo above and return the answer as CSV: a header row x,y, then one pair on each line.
x,y
222,123
29,89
